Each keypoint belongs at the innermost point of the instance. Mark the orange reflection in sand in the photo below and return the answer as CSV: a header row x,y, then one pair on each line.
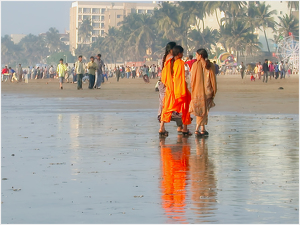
x,y
175,166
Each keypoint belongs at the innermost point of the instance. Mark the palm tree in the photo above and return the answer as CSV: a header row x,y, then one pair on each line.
x,y
234,36
53,41
232,9
265,19
288,24
85,30
205,39
111,44
173,23
7,49
144,34
33,48
293,5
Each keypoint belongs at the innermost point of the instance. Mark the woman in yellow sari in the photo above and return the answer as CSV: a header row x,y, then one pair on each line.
x,y
204,88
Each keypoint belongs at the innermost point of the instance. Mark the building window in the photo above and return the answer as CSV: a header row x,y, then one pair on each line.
x,y
102,18
96,18
149,11
79,10
102,25
102,11
102,32
96,32
140,11
281,12
94,39
96,25
80,18
96,11
86,10
118,16
86,17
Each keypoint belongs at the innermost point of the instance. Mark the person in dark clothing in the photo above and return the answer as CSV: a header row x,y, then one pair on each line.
x,y
118,73
217,68
242,70
266,70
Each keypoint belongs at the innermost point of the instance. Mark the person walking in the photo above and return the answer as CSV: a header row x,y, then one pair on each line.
x,y
162,90
266,70
32,73
217,68
38,73
177,96
51,72
276,70
100,70
281,70
271,70
45,74
79,71
144,74
242,70
133,71
287,69
5,72
127,72
61,71
19,73
259,70
92,67
204,89
118,73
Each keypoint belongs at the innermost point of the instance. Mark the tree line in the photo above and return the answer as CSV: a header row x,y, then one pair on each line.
x,y
143,36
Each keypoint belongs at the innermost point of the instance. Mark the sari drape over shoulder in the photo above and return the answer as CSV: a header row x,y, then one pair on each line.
x,y
177,96
204,88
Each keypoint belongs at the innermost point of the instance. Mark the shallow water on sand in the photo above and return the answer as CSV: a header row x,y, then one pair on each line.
x,y
90,161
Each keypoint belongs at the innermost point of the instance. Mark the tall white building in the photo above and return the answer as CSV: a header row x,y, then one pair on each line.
x,y
102,15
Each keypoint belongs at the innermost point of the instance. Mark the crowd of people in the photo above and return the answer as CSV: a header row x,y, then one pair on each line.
x,y
176,101
269,69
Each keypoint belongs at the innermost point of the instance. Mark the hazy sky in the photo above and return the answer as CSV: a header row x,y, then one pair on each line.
x,y
24,17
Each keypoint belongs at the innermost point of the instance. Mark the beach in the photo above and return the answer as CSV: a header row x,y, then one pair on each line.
x,y
233,95
94,156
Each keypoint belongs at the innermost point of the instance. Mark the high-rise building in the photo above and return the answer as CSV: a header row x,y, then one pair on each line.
x,y
102,15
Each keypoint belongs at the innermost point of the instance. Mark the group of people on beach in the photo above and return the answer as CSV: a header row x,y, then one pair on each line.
x,y
95,72
177,102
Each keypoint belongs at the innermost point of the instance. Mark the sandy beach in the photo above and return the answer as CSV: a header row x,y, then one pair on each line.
x,y
234,94
94,156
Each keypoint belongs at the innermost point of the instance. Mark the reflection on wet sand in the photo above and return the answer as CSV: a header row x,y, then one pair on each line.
x,y
203,182
181,168
175,163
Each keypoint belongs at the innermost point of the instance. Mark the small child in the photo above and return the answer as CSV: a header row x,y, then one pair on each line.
x,y
252,77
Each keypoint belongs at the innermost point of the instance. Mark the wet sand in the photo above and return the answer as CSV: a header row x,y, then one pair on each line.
x,y
234,94
93,156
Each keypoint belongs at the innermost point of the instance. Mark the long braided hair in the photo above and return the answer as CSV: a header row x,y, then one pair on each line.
x,y
176,51
169,47
204,55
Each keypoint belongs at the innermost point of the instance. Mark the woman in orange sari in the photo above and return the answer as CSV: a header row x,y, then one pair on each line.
x,y
204,88
177,97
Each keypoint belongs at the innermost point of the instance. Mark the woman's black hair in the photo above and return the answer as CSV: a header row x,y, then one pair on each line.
x,y
176,51
169,47
204,55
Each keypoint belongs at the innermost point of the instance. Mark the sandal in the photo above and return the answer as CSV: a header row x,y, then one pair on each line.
x,y
205,133
188,133
198,134
163,134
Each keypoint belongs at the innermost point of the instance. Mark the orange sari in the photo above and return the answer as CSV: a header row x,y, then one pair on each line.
x,y
177,97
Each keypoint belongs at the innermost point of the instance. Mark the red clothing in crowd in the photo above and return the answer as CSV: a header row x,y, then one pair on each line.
x,y
5,70
190,63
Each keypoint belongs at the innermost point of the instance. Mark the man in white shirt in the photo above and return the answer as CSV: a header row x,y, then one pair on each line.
x,y
133,71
